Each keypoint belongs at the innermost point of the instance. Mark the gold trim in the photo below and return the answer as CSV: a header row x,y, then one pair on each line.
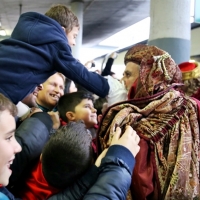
x,y
195,73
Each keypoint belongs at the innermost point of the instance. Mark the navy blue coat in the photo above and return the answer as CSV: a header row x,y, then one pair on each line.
x,y
113,181
38,48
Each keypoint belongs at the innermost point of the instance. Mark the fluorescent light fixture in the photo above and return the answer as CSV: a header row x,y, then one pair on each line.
x,y
133,34
2,32
136,33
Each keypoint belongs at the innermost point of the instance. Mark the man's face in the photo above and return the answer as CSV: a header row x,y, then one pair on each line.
x,y
85,111
53,89
71,36
30,100
8,145
130,75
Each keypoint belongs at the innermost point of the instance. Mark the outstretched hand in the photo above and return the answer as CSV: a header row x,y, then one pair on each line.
x,y
129,139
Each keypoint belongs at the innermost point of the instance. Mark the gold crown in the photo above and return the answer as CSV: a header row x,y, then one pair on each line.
x,y
195,73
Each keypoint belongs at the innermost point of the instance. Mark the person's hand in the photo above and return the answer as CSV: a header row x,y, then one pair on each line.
x,y
34,110
129,139
113,55
88,64
100,157
55,118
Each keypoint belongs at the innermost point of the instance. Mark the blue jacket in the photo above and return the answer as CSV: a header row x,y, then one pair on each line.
x,y
113,181
114,178
6,195
38,48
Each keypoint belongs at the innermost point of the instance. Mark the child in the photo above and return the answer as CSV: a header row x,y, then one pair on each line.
x,y
65,158
68,155
78,106
118,162
8,144
40,45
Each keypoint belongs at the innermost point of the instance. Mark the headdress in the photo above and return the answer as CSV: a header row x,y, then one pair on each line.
x,y
157,69
190,70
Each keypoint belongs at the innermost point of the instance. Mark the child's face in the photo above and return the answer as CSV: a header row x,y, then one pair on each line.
x,y
8,145
71,36
85,111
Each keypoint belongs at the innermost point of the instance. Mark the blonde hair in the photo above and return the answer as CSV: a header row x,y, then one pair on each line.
x,y
62,76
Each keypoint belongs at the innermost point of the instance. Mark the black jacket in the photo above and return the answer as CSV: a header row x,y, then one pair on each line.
x,y
32,135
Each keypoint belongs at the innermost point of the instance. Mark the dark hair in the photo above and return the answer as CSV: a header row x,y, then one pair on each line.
x,y
68,102
67,85
67,155
98,104
6,104
64,16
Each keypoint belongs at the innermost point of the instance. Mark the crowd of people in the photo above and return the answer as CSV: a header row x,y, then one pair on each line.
x,y
68,133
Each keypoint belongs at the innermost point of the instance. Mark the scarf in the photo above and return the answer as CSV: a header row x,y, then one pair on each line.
x,y
158,71
167,166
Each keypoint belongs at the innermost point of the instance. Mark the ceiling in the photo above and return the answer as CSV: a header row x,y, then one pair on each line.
x,y
101,18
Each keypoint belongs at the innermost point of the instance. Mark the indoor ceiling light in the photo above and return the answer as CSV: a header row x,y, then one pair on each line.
x,y
2,32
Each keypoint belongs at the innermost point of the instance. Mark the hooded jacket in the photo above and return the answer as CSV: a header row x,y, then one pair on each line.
x,y
38,48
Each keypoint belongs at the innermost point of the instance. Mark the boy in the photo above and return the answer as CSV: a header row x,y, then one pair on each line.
x,y
78,106
8,144
118,158
40,45
68,155
65,158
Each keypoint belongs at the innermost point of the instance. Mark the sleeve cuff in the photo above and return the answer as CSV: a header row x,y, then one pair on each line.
x,y
122,153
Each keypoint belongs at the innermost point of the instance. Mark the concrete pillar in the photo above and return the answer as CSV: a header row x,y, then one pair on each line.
x,y
77,9
170,27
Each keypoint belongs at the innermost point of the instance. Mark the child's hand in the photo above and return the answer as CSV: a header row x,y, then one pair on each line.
x,y
34,110
55,118
129,139
100,157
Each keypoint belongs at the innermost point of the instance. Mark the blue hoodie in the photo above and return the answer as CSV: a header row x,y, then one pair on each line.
x,y
37,49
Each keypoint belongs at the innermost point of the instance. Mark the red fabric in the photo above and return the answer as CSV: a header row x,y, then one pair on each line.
x,y
37,187
62,122
132,90
187,66
142,178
